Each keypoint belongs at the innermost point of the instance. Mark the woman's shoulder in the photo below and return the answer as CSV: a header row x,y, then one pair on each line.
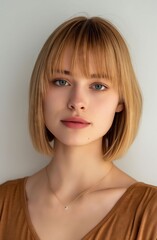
x,y
143,188
132,186
142,191
11,187
142,196
11,183
145,202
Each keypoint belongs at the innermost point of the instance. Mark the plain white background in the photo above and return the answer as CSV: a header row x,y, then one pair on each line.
x,y
24,27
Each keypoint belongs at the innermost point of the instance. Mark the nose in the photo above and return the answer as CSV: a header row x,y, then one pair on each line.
x,y
77,100
76,106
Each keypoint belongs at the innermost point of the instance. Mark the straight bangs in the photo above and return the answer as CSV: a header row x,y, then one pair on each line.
x,y
93,48
97,49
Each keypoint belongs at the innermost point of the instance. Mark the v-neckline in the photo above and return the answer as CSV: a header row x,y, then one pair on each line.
x,y
104,219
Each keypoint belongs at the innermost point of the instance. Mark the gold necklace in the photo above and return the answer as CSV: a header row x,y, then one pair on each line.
x,y
84,192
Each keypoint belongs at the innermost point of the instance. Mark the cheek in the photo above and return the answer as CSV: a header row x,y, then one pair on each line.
x,y
106,113
52,107
54,99
48,105
49,101
108,107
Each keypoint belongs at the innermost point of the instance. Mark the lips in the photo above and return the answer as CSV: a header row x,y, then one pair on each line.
x,y
74,122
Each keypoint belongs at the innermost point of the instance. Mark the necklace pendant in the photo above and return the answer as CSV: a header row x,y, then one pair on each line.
x,y
66,207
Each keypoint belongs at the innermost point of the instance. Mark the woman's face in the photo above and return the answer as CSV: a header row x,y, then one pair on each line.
x,y
78,110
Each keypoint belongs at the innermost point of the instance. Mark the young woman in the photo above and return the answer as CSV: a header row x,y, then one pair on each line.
x,y
85,107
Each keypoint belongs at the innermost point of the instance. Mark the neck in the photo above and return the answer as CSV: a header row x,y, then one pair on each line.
x,y
77,167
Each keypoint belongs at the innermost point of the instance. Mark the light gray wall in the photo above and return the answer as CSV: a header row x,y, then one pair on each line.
x,y
24,26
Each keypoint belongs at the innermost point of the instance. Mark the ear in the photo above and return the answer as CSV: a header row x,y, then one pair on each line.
x,y
120,107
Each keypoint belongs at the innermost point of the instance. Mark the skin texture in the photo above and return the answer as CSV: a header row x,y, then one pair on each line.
x,y
77,150
78,160
72,95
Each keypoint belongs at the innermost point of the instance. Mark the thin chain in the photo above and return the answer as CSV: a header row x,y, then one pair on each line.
x,y
84,192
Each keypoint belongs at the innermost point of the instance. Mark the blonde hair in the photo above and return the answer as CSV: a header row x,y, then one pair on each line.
x,y
99,38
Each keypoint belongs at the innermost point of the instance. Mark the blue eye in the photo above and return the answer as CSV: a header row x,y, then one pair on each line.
x,y
60,82
99,87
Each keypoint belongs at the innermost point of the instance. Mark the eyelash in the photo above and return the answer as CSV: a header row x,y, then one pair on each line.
x,y
57,81
60,80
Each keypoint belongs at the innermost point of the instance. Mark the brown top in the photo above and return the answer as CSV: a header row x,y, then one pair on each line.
x,y
134,216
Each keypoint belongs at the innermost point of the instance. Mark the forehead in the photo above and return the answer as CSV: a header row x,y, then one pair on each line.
x,y
81,63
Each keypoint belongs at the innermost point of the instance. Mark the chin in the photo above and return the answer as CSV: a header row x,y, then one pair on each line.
x,y
76,142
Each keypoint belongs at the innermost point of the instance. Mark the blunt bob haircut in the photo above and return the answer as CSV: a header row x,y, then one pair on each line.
x,y
100,39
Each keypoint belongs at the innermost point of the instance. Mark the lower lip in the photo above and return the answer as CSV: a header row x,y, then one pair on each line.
x,y
76,125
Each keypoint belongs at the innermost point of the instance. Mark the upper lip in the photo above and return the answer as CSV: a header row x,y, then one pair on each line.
x,y
75,119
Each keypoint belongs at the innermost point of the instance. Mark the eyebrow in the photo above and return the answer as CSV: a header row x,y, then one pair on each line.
x,y
94,75
66,72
